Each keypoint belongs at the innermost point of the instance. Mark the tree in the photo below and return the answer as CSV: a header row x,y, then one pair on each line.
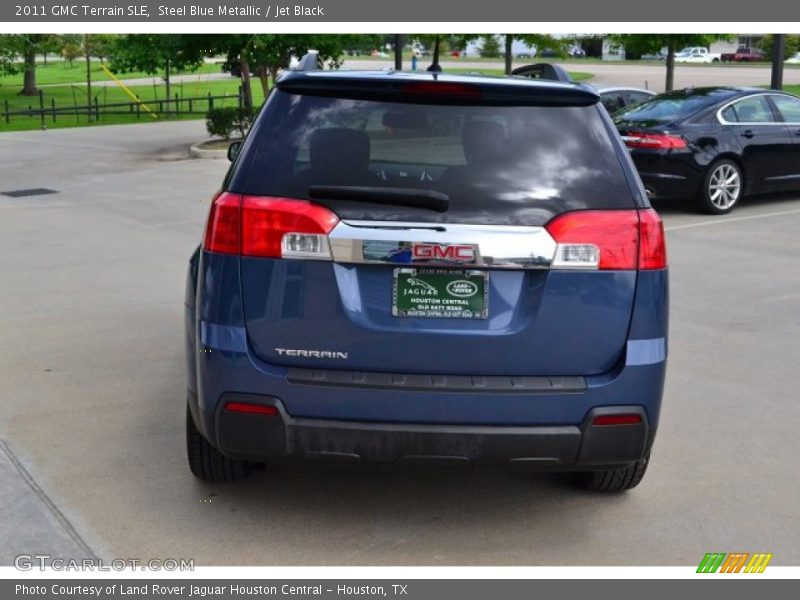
x,y
265,55
490,47
50,44
71,48
16,46
151,53
645,43
273,52
441,42
792,44
102,44
534,40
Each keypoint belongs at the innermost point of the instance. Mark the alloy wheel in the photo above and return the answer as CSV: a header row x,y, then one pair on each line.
x,y
724,186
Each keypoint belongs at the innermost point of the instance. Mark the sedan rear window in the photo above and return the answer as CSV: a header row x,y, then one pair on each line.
x,y
494,164
668,108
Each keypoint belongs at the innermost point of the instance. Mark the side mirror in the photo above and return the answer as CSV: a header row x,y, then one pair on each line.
x,y
233,150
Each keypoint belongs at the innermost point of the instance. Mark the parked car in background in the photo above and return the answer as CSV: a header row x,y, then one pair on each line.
x,y
549,53
714,144
498,300
615,98
696,54
576,52
794,60
234,68
654,56
744,55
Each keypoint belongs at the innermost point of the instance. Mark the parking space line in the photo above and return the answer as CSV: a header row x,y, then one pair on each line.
x,y
732,220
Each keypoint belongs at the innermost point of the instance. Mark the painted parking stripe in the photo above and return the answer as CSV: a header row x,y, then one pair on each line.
x,y
731,220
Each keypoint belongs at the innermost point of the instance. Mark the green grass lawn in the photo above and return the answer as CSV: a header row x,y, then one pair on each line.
x,y
75,95
58,72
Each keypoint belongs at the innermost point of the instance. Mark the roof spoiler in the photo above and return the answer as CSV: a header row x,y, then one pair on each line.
x,y
543,71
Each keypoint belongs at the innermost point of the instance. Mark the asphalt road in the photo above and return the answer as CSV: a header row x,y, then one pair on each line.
x,y
92,386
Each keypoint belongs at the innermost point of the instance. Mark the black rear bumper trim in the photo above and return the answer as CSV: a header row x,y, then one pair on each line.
x,y
446,383
259,437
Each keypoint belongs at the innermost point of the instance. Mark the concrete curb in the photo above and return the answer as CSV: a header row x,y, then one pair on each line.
x,y
195,151
31,521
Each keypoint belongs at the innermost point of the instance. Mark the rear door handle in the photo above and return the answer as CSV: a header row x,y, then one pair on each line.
x,y
748,134
797,132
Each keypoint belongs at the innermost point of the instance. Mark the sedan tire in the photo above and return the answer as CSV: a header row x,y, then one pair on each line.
x,y
722,188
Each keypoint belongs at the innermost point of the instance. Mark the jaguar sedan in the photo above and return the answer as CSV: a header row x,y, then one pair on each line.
x,y
715,144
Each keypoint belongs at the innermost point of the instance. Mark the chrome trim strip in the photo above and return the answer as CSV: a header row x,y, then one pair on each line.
x,y
494,246
750,124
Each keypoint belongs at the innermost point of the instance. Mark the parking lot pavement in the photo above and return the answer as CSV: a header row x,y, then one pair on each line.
x,y
92,379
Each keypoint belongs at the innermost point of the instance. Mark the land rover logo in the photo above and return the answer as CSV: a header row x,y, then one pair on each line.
x,y
461,288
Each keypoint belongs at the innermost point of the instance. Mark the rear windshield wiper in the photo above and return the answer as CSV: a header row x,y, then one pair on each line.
x,y
382,195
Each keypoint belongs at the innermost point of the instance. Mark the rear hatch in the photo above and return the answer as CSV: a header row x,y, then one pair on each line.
x,y
417,233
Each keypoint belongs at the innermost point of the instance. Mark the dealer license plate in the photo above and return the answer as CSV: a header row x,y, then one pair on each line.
x,y
440,294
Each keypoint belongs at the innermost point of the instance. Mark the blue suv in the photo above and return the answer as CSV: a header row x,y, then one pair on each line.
x,y
433,269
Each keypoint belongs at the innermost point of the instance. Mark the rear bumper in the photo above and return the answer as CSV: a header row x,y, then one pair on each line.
x,y
669,174
260,437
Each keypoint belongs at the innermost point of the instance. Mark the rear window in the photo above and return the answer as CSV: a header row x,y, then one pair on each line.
x,y
502,165
668,108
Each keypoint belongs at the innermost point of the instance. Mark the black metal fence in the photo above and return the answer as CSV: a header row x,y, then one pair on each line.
x,y
163,107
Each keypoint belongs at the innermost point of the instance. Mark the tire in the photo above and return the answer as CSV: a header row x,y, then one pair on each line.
x,y
208,463
723,187
614,481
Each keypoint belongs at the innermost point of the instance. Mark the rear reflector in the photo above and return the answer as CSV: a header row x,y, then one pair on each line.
x,y
269,227
252,409
625,419
661,141
609,239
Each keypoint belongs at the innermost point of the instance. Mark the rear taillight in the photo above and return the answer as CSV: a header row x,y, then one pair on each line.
x,y
659,141
608,239
269,227
223,230
652,245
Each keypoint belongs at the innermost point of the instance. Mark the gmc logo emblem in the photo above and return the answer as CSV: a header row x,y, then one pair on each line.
x,y
451,252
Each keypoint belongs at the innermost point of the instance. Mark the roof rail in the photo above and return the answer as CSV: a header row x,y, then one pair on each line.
x,y
309,62
543,71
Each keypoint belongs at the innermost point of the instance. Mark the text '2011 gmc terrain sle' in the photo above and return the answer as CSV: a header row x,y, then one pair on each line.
x,y
411,268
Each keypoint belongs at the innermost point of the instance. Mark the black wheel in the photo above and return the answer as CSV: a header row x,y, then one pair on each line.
x,y
722,188
614,481
206,462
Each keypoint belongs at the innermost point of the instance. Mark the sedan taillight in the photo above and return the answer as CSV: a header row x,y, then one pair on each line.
x,y
658,141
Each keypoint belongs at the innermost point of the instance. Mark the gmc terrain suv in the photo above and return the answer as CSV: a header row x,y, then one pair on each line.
x,y
423,268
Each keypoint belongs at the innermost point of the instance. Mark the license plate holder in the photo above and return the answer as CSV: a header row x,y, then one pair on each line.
x,y
440,294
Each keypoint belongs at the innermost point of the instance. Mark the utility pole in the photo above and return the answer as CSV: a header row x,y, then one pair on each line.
x,y
778,55
88,75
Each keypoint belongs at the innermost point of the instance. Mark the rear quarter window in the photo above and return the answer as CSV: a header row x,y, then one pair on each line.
x,y
497,164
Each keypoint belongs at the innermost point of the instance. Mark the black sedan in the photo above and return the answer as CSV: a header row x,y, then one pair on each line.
x,y
714,144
